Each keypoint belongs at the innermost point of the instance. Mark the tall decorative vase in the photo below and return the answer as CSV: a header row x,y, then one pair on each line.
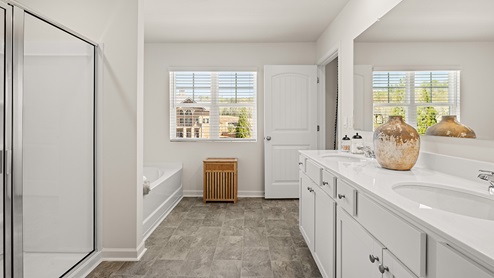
x,y
396,144
450,127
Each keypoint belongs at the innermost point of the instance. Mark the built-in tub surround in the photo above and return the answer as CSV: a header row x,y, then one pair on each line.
x,y
471,235
165,192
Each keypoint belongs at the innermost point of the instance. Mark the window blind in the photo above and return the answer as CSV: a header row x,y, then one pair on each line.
x,y
213,106
421,97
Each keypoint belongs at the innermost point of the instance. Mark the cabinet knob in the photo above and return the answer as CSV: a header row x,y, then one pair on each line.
x,y
300,163
373,258
383,268
324,183
310,189
268,138
341,196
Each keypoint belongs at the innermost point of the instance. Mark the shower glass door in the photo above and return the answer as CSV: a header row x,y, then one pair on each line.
x,y
53,148
4,26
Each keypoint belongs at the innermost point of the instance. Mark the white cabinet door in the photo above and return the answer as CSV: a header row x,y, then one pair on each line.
x,y
451,264
393,268
290,125
325,248
306,217
355,249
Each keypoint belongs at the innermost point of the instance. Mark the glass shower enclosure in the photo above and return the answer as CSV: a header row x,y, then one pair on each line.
x,y
48,145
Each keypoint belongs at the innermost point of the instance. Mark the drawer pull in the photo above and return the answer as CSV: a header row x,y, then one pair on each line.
x,y
300,163
324,183
383,268
373,258
341,196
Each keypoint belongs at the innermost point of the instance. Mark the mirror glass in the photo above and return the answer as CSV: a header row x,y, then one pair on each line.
x,y
450,41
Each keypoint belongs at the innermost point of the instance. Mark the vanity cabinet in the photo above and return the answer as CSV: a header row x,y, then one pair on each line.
x,y
307,210
324,247
317,217
393,268
354,233
359,254
451,264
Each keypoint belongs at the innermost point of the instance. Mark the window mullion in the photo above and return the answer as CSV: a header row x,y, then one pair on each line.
x,y
410,94
215,111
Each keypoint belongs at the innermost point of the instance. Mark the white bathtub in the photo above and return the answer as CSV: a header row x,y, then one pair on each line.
x,y
166,192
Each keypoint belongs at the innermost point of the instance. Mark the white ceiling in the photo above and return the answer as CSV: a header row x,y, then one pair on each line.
x,y
238,21
435,21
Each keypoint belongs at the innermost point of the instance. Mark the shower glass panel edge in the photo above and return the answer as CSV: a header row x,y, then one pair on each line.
x,y
7,140
17,60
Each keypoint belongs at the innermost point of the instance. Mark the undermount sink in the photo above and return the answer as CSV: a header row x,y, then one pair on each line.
x,y
434,196
342,158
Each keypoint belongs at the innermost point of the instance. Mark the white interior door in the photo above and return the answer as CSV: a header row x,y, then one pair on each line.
x,y
290,124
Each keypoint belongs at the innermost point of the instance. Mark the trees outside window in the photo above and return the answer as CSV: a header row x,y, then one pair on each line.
x,y
421,97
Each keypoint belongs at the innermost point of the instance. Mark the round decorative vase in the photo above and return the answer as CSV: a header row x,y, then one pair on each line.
x,y
396,144
450,127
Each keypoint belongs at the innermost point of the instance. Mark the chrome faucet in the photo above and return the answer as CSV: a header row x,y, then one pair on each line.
x,y
488,176
368,152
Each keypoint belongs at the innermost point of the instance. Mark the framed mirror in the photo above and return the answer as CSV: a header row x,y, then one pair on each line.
x,y
427,55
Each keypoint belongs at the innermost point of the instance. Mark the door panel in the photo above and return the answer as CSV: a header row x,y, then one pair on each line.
x,y
290,111
325,215
54,140
4,204
355,246
306,217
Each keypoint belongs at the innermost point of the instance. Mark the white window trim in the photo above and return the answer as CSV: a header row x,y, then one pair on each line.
x,y
412,105
213,119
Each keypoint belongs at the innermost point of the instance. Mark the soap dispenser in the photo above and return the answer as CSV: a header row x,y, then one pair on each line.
x,y
345,144
357,144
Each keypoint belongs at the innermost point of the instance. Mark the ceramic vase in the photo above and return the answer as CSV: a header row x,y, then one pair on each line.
x,y
396,144
450,127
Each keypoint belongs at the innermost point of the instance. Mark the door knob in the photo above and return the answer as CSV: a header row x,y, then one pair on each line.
x,y
268,138
373,258
383,268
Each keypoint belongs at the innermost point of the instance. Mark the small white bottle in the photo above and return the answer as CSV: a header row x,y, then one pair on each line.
x,y
357,144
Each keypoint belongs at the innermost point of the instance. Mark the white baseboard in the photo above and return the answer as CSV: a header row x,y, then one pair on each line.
x,y
241,193
123,254
87,266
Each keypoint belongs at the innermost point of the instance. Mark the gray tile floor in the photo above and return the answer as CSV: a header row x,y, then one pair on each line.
x,y
253,238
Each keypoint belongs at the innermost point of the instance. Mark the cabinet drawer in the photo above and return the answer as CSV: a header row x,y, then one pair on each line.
x,y
394,267
301,163
346,197
313,171
328,183
452,264
405,241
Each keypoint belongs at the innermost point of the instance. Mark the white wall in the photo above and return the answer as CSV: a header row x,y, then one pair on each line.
x,y
357,16
115,25
474,59
157,146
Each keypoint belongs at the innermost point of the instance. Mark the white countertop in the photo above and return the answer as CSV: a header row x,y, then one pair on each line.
x,y
474,235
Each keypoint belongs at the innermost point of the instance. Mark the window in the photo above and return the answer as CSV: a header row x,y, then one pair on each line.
x,y
220,106
421,97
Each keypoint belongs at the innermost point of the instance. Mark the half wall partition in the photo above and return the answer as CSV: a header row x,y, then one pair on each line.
x,y
48,145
